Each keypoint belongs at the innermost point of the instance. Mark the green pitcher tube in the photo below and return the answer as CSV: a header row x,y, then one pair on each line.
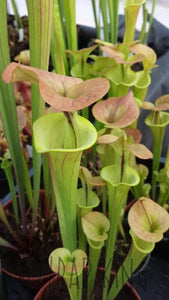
x,y
55,136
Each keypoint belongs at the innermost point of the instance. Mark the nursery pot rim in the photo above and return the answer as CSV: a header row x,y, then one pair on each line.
x,y
143,267
129,205
26,278
57,277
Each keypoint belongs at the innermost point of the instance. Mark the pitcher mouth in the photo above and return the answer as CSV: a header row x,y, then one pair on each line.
x,y
130,176
53,133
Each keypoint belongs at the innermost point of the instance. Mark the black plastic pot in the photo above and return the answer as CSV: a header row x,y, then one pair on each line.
x,y
152,283
14,290
162,248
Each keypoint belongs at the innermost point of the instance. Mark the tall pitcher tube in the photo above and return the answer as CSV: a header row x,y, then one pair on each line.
x,y
63,144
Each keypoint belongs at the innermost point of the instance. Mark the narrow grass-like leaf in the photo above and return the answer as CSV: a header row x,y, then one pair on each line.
x,y
8,111
71,31
7,167
58,47
17,17
96,18
150,21
40,20
113,15
4,218
28,185
5,243
7,224
103,9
